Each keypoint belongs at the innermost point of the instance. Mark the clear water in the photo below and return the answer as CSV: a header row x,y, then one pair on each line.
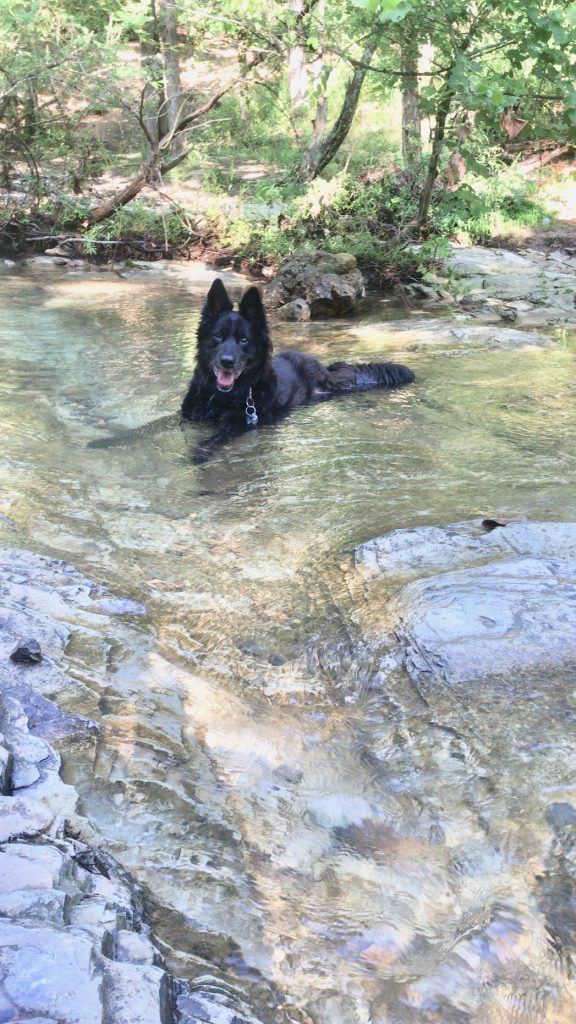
x,y
332,847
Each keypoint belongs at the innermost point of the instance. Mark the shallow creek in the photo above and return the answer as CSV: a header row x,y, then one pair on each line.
x,y
340,851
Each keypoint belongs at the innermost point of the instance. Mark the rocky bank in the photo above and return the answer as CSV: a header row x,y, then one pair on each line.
x,y
75,943
530,289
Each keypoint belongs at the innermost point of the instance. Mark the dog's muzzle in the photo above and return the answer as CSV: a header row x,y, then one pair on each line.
x,y
226,379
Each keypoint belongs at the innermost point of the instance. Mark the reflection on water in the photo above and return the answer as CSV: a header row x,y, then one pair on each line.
x,y
305,823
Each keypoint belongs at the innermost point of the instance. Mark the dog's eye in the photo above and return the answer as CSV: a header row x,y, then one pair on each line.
x,y
244,342
216,339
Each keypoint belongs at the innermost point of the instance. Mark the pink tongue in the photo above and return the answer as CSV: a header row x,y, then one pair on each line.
x,y
224,378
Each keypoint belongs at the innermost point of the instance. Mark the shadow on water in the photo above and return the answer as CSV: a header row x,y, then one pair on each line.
x,y
302,817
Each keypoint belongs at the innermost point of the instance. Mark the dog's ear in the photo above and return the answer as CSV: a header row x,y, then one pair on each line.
x,y
251,306
217,301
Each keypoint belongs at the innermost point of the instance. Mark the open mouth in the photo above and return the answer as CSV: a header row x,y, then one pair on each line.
x,y
225,379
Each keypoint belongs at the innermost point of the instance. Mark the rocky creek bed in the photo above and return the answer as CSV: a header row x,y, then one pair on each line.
x,y
75,940
264,771
477,619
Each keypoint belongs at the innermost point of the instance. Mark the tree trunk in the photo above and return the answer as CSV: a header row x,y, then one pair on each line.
x,y
321,116
244,67
150,100
434,161
159,163
297,68
169,113
313,164
310,163
30,119
109,206
411,126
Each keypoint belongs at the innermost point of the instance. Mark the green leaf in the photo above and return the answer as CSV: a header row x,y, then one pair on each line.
x,y
570,14
394,10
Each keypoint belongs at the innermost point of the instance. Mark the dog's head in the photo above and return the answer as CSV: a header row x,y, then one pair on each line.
x,y
230,344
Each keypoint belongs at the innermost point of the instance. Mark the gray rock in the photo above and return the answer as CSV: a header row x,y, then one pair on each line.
x,y
210,1001
296,310
510,617
22,817
51,973
134,948
329,283
330,295
422,291
42,597
532,288
276,660
28,751
94,914
41,1020
133,993
43,262
510,609
27,652
412,553
67,731
5,767
29,866
38,906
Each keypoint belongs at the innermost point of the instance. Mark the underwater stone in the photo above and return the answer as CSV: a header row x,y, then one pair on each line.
x,y
27,652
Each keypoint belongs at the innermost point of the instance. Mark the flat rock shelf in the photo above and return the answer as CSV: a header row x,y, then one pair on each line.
x,y
76,946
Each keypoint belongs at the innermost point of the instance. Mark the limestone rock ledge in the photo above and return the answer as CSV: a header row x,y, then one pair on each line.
x,y
530,289
464,605
75,945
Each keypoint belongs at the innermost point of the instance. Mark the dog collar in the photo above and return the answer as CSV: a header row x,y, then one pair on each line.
x,y
251,414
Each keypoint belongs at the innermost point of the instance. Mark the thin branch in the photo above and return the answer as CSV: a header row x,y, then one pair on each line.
x,y
73,238
203,109
142,119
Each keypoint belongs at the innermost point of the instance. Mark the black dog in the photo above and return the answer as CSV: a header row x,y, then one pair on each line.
x,y
237,384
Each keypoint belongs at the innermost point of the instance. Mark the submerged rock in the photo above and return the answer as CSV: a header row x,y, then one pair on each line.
x,y
445,336
27,652
502,603
75,945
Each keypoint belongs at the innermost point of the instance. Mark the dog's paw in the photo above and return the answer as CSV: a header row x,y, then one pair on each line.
x,y
200,456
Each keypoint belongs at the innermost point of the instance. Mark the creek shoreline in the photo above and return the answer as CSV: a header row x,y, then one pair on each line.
x,y
529,290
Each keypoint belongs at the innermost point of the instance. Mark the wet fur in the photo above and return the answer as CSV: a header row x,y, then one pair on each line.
x,y
237,345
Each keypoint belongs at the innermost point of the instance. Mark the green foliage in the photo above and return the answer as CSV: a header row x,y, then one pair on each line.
x,y
366,218
61,61
63,211
483,208
140,222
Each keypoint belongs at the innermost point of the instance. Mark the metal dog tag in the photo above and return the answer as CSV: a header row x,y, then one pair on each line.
x,y
251,414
